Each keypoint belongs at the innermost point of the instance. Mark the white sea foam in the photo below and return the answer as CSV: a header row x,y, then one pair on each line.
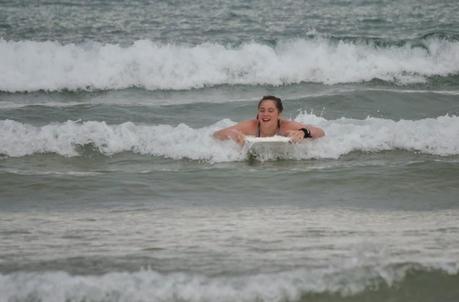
x,y
437,136
30,65
153,286
162,140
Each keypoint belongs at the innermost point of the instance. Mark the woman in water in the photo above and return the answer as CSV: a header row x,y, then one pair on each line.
x,y
269,123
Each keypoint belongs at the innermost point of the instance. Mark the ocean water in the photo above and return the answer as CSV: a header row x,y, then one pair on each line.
x,y
113,189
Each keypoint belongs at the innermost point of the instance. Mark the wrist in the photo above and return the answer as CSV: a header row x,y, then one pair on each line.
x,y
306,132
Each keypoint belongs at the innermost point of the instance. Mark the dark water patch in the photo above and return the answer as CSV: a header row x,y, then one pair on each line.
x,y
420,41
451,34
207,106
417,285
380,102
448,82
387,180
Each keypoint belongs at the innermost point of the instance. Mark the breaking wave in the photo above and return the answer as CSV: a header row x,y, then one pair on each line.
x,y
52,66
437,136
396,283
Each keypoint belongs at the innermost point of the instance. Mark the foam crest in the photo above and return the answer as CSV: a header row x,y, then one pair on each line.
x,y
154,286
69,138
30,65
437,136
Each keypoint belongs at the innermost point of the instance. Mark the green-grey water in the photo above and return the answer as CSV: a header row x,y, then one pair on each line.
x,y
113,189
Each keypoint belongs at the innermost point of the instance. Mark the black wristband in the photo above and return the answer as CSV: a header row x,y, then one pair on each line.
x,y
306,132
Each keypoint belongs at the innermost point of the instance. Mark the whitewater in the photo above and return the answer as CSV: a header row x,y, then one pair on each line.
x,y
437,136
153,286
53,66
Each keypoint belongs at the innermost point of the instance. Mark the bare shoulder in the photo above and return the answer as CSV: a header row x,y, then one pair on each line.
x,y
291,125
248,127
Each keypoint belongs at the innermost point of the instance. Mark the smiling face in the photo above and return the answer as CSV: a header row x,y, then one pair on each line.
x,y
268,113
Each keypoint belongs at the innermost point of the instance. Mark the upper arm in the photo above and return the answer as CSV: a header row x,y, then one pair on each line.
x,y
244,127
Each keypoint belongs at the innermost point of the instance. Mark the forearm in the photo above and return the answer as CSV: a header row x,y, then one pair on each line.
x,y
221,135
230,133
315,132
312,131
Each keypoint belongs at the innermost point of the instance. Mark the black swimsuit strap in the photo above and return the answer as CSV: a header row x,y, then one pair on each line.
x,y
277,131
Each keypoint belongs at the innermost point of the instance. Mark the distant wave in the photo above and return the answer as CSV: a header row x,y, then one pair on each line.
x,y
51,66
437,136
364,284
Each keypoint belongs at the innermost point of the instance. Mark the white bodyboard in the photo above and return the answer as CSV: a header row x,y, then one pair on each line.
x,y
267,140
268,147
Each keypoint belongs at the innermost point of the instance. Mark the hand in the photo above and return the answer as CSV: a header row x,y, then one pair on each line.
x,y
237,136
295,135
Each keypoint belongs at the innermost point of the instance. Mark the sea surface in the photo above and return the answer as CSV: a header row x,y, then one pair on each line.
x,y
112,187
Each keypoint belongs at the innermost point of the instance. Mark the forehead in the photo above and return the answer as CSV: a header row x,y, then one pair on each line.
x,y
268,104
